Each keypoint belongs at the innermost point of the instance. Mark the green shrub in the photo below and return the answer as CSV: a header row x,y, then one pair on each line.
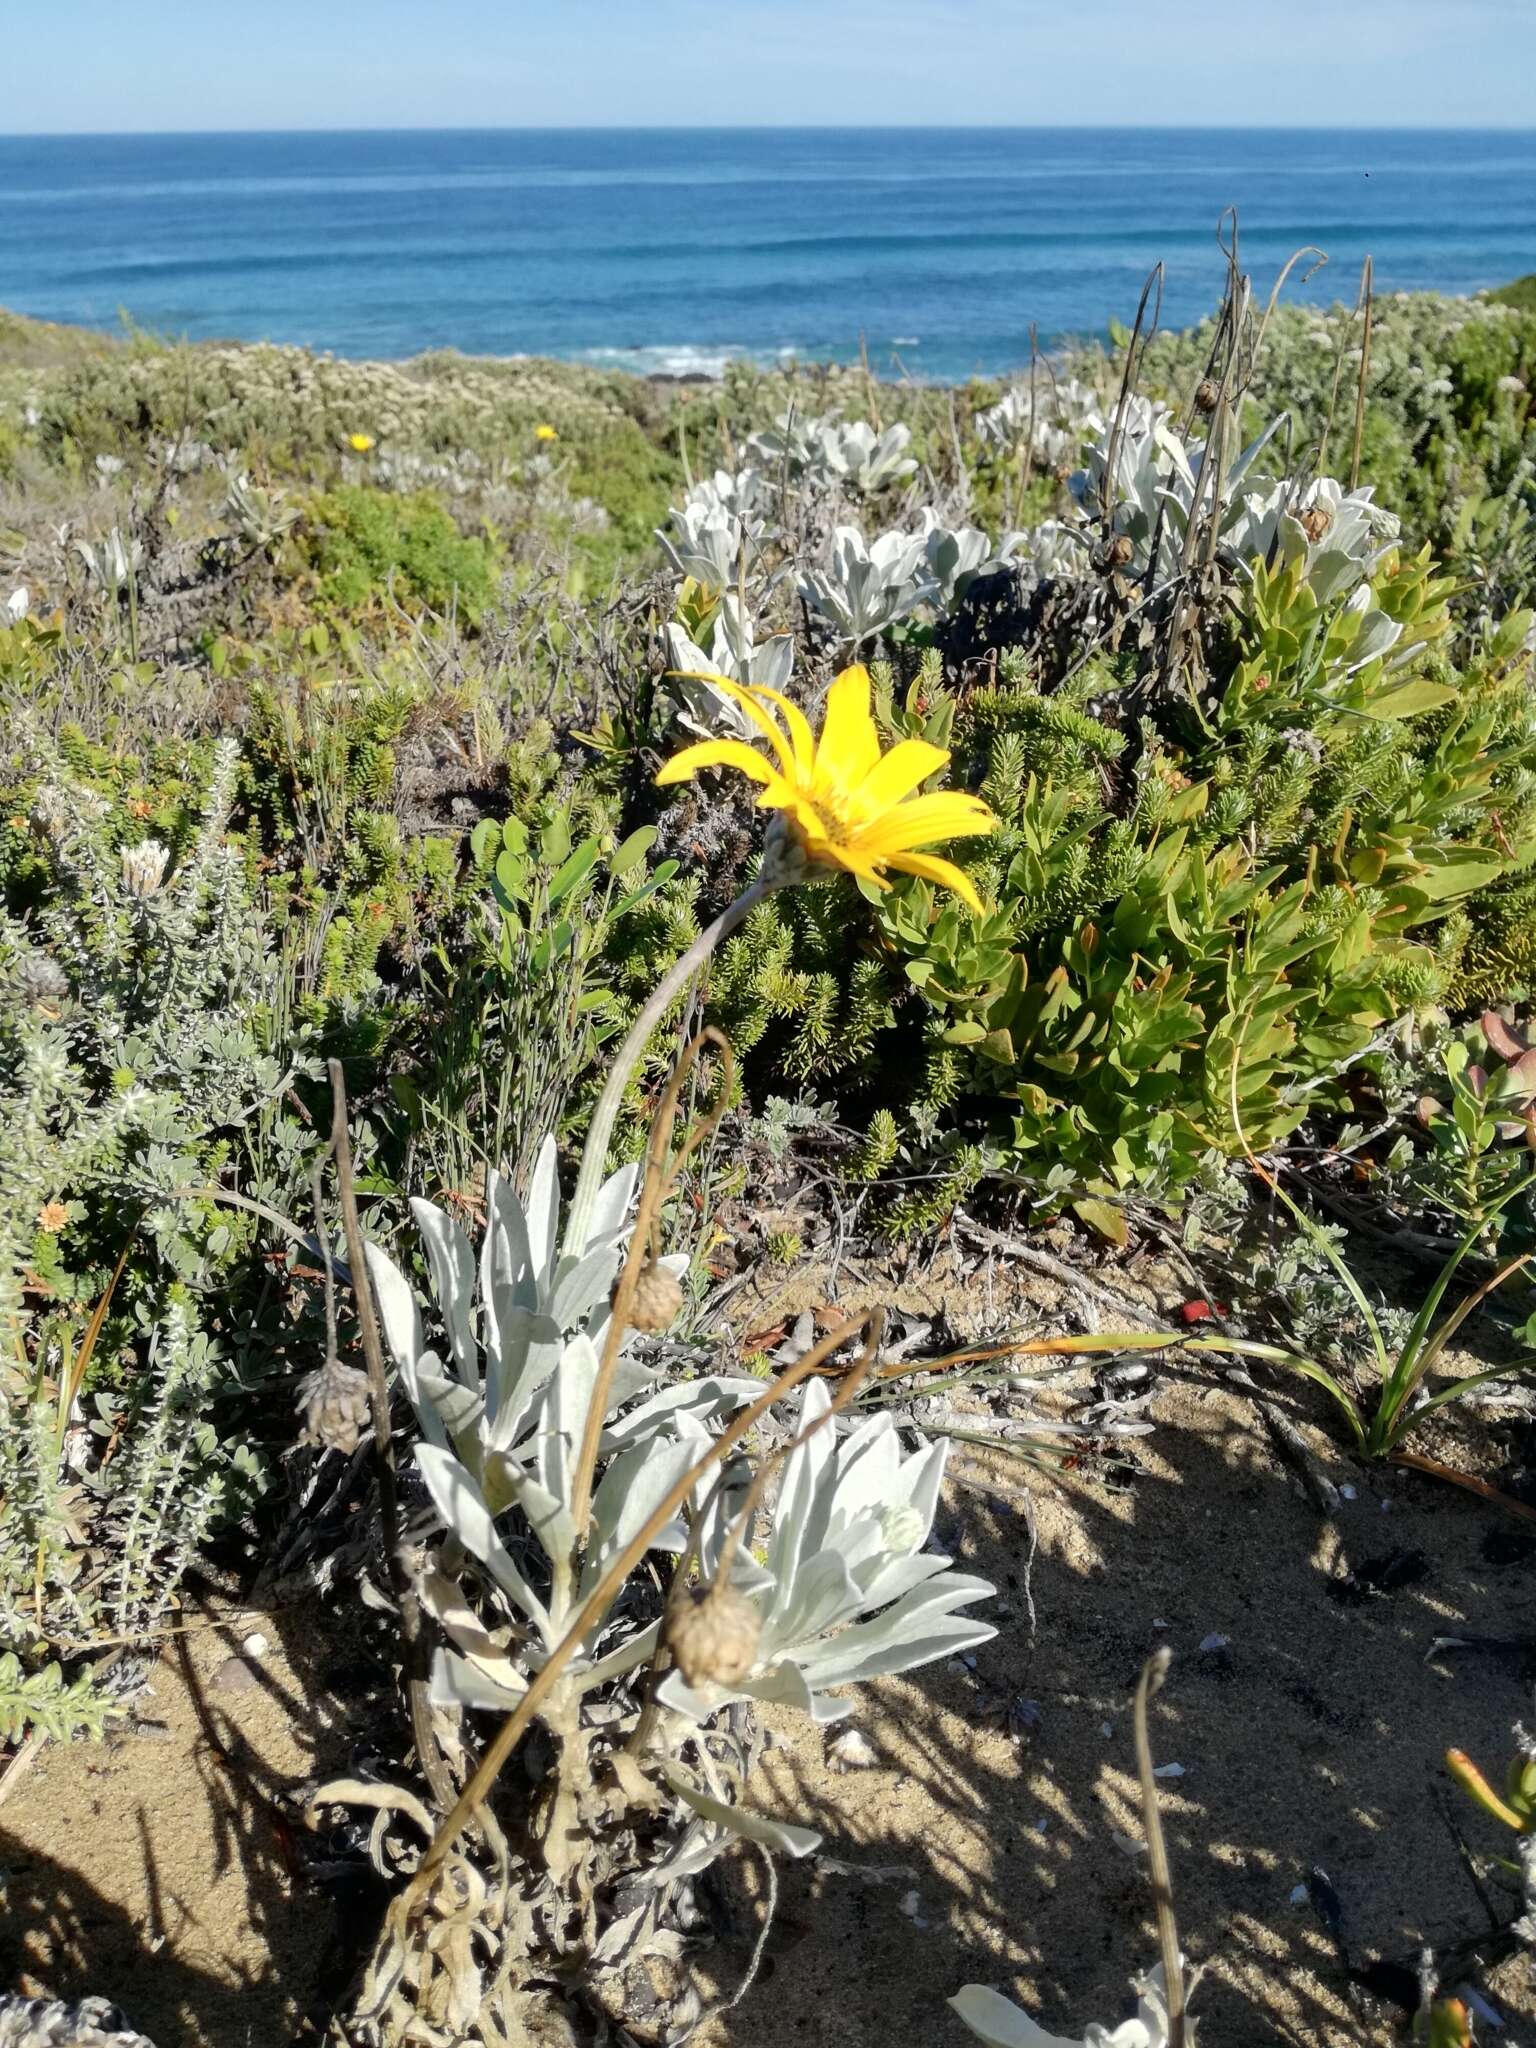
x,y
366,544
1197,926
141,1058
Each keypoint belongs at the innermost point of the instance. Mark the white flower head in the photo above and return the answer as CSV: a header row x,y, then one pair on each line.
x,y
144,867
18,604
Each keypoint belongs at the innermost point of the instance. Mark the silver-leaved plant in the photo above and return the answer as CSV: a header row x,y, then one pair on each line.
x,y
868,585
847,1591
734,651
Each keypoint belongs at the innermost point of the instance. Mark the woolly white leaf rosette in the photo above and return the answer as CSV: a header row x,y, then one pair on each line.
x,y
503,1416
525,1327
847,1591
1001,2024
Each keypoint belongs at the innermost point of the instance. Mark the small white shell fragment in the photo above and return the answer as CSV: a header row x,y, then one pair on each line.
x,y
1158,1621
1106,1729
1127,1844
1213,1641
912,1907
1298,1895
1348,1492
1168,1771
851,1751
254,1645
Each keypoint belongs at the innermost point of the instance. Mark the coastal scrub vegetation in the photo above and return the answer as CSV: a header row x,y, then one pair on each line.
x,y
459,819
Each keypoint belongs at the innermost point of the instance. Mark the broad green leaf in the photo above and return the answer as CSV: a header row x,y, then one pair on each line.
x,y
635,848
574,870
510,876
1104,1217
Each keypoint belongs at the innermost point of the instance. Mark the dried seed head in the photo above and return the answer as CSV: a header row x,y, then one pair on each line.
x,y
144,866
1062,472
713,1636
657,1298
1117,552
1206,395
1315,522
333,1401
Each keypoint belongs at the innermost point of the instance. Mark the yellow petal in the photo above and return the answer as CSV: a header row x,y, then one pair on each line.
x,y
896,775
768,727
716,754
853,863
944,872
849,746
925,821
799,729
779,793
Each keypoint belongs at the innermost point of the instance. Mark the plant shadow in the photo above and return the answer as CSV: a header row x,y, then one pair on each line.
x,y
1302,1728
166,1869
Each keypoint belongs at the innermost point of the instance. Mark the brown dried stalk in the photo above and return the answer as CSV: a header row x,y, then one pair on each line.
x,y
1366,303
404,1591
660,1179
592,1608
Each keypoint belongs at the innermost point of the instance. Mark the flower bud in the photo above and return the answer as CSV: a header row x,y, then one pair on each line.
x,y
1207,395
1116,552
41,983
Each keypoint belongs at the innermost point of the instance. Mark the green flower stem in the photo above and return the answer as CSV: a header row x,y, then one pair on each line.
x,y
677,977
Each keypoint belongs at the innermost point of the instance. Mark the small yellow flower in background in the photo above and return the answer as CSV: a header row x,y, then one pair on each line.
x,y
845,803
545,432
52,1217
360,443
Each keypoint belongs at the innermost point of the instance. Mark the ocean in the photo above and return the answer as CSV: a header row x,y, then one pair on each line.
x,y
674,250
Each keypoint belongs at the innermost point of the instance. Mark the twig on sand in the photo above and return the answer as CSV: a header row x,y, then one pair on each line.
x,y
20,1764
1023,1254
1153,1672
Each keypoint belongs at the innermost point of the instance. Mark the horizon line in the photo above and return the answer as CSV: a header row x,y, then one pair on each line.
x,y
787,128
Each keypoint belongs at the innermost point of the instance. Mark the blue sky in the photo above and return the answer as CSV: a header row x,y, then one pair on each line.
x,y
81,66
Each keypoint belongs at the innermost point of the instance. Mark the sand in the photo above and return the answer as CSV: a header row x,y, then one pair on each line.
x,y
993,1838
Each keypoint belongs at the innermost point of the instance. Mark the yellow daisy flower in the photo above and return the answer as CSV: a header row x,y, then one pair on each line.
x,y
360,443
543,432
846,805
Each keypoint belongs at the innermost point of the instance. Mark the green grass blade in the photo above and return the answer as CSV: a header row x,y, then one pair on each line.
x,y
1437,1292
1420,1350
